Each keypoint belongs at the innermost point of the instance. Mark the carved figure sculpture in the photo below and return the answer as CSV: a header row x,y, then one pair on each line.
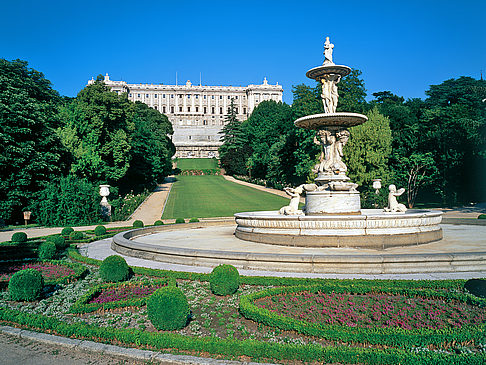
x,y
342,138
293,207
328,46
393,205
332,144
329,93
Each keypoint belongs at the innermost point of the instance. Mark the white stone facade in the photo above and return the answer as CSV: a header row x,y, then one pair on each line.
x,y
197,112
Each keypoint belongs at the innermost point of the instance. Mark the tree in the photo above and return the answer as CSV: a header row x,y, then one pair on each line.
x,y
151,149
367,152
234,150
97,131
30,151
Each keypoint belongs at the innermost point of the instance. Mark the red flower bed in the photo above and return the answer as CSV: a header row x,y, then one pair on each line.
x,y
374,310
49,271
124,292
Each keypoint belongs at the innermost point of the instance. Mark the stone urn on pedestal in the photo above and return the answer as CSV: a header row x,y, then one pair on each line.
x,y
105,206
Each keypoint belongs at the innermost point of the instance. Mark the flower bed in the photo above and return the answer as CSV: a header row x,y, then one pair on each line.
x,y
374,310
54,272
366,314
116,295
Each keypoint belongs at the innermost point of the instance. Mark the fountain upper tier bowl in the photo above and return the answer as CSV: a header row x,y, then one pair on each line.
x,y
319,72
318,121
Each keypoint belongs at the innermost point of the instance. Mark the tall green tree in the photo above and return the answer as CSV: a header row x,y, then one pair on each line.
x,y
97,130
151,149
30,151
367,153
234,151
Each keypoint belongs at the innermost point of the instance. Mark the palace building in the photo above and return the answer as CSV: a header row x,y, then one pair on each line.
x,y
197,112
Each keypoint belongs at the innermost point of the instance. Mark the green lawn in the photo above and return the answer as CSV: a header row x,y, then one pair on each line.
x,y
197,163
213,196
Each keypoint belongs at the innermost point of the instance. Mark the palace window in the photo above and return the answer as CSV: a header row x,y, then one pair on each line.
x,y
172,109
180,109
180,96
197,109
155,96
189,137
212,96
205,122
188,108
138,95
204,97
220,97
244,110
155,107
229,97
188,96
172,96
236,96
146,95
163,109
212,110
197,96
130,95
163,96
236,110
205,110
220,110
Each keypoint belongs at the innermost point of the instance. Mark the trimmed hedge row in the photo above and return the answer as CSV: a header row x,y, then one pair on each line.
x,y
449,285
385,336
82,305
231,347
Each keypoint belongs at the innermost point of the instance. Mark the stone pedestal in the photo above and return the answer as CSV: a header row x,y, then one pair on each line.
x,y
332,202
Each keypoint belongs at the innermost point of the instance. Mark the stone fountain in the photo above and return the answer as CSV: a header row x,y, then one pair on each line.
x,y
332,216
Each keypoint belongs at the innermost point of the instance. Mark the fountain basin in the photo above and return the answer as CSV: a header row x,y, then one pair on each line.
x,y
373,228
319,72
318,121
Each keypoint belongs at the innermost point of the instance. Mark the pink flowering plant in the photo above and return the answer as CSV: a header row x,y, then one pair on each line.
x,y
398,317
116,295
54,272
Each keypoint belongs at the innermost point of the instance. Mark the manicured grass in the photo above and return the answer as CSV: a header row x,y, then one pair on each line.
x,y
213,196
197,163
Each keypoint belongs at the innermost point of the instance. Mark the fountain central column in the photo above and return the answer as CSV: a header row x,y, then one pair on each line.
x,y
332,193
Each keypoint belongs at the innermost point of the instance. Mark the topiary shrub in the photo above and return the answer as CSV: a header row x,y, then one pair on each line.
x,y
193,220
114,268
76,236
25,285
59,241
47,250
67,231
158,223
180,220
476,287
19,237
138,224
168,309
99,231
482,216
224,280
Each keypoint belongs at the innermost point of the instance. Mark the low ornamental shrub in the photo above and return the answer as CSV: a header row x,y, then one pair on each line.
x,y
66,231
482,216
180,220
19,237
476,287
193,220
47,250
138,224
59,241
76,236
168,309
158,223
224,280
99,231
114,268
25,285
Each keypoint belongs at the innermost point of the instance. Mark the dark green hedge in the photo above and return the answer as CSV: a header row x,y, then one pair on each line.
x,y
385,336
231,347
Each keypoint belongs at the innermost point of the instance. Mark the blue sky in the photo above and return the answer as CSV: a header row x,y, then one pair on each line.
x,y
399,46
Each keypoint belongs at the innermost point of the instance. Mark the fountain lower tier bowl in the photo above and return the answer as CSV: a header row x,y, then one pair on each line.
x,y
373,228
320,121
319,72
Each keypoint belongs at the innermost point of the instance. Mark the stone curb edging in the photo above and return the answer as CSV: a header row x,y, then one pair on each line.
x,y
128,353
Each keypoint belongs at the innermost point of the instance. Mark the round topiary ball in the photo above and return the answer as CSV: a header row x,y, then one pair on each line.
x,y
19,237
193,220
59,241
114,268
47,250
168,309
482,216
76,236
180,220
67,231
25,285
224,280
99,231
158,223
476,287
138,224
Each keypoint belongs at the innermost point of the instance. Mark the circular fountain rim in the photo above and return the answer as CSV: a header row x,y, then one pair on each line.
x,y
318,72
317,121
